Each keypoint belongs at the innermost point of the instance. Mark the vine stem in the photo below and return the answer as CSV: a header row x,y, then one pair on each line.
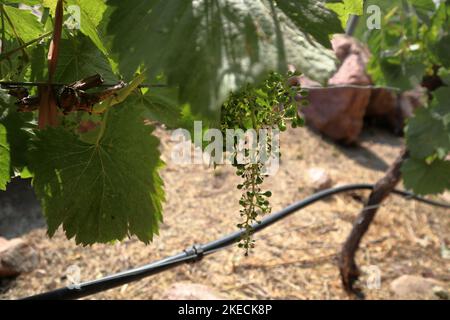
x,y
347,266
3,30
23,46
102,127
254,166
5,15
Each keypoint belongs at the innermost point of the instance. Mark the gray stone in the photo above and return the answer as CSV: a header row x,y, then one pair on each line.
x,y
319,179
411,287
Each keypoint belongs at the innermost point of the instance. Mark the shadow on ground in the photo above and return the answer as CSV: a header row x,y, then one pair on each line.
x,y
20,211
362,154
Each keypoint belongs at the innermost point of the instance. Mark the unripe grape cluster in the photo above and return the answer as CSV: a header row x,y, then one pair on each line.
x,y
270,106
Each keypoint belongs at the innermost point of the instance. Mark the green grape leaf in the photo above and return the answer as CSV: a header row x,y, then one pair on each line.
x,y
37,69
102,191
4,158
313,17
80,58
444,74
441,102
209,48
439,21
162,106
403,49
424,178
18,126
442,50
51,4
396,72
24,24
425,5
424,9
27,2
5,101
427,133
90,17
347,8
438,35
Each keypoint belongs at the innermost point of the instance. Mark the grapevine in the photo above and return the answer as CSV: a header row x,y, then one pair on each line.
x,y
410,49
76,114
269,107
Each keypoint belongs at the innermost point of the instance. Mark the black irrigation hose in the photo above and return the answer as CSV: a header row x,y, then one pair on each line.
x,y
195,253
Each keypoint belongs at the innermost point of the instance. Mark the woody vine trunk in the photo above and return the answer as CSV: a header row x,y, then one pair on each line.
x,y
348,269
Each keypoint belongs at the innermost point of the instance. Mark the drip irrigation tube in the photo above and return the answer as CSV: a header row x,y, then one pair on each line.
x,y
197,252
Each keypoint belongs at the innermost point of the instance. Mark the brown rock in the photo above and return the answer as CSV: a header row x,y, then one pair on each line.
x,y
344,46
354,57
410,287
383,104
337,112
394,108
16,256
191,291
341,46
352,71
